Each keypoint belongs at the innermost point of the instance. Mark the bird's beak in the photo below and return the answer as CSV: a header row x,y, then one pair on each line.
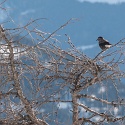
x,y
97,39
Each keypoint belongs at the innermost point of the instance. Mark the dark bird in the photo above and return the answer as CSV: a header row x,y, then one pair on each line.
x,y
103,44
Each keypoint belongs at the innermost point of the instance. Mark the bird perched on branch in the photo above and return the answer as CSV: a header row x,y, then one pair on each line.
x,y
103,44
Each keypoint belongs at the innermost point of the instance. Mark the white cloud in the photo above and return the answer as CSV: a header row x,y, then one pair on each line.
x,y
27,12
102,90
86,47
116,110
95,109
103,1
63,105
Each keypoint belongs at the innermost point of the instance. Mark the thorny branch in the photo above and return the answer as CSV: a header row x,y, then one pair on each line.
x,y
39,74
15,78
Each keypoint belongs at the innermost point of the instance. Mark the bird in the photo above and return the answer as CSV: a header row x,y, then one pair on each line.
x,y
103,44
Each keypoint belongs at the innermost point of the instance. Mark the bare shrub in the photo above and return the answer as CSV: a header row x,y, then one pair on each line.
x,y
37,76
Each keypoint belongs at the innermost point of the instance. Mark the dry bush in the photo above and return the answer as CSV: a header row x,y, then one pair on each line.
x,y
37,76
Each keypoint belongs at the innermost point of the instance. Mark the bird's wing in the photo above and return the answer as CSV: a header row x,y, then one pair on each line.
x,y
106,42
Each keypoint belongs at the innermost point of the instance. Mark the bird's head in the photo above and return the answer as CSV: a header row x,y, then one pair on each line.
x,y
99,38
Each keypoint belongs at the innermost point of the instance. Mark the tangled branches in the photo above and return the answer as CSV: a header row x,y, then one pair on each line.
x,y
36,74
